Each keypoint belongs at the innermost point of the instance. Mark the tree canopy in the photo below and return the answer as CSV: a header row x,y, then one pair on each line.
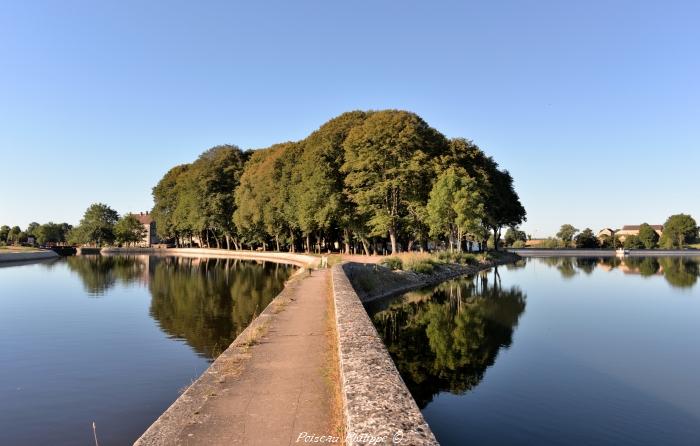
x,y
363,179
679,230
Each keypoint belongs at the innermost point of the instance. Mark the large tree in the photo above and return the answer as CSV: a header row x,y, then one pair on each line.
x,y
96,226
4,233
387,162
320,199
455,207
165,200
586,239
648,236
679,230
566,233
129,230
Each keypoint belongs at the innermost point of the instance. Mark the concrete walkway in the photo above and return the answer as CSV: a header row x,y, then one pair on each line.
x,y
284,387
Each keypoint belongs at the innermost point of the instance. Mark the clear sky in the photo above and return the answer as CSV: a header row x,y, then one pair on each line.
x,y
593,106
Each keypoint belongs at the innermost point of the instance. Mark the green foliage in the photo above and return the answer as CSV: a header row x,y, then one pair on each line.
x,y
420,265
4,233
633,242
393,263
551,243
456,257
514,235
96,226
519,244
648,236
362,178
387,161
586,239
566,234
679,230
128,230
455,207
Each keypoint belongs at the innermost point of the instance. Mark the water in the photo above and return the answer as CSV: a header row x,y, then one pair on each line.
x,y
115,339
556,351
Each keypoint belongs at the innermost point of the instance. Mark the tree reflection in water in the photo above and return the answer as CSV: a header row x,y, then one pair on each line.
x,y
206,302
446,339
679,272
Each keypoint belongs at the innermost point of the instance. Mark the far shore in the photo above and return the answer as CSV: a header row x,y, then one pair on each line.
x,y
575,252
24,256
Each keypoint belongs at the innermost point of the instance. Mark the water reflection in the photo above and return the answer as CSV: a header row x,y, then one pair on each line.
x,y
202,300
679,272
444,339
206,302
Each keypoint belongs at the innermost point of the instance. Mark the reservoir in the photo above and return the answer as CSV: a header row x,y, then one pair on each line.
x,y
114,340
555,351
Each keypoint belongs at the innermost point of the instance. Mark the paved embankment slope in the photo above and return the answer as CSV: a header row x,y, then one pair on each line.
x,y
7,257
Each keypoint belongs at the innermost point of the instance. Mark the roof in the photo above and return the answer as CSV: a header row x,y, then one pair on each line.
x,y
144,219
636,227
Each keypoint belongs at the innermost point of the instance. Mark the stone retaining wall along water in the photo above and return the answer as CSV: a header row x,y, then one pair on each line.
x,y
6,257
378,408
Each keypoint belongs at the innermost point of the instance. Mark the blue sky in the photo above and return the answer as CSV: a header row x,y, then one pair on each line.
x,y
593,106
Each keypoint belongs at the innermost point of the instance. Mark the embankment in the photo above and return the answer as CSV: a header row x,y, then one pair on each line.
x,y
28,256
372,281
300,260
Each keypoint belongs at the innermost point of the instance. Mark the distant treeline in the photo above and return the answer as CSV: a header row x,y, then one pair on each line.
x,y
361,179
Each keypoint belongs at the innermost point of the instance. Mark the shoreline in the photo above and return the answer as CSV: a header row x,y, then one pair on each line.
x,y
392,283
574,252
26,257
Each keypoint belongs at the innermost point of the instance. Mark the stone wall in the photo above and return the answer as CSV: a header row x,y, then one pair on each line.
x,y
7,257
377,406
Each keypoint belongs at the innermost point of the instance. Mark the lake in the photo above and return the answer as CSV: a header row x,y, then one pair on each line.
x,y
554,351
115,339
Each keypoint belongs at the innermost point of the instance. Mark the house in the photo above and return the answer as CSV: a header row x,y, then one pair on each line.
x,y
628,230
606,232
149,225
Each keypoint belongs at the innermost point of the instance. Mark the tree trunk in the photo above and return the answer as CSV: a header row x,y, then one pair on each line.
x,y
365,246
392,238
277,242
346,240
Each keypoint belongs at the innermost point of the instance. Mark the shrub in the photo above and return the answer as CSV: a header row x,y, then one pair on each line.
x,y
518,244
393,263
421,266
463,258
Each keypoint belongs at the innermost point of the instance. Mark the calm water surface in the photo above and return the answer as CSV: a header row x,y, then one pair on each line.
x,y
557,351
114,339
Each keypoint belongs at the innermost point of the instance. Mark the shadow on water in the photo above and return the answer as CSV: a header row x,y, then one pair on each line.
x,y
444,338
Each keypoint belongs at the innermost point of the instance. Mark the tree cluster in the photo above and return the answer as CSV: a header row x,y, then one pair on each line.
x,y
678,231
362,180
101,225
48,233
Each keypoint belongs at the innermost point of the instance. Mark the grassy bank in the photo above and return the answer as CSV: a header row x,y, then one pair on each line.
x,y
404,272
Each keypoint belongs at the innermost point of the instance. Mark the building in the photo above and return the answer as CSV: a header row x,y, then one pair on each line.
x,y
149,225
606,232
628,230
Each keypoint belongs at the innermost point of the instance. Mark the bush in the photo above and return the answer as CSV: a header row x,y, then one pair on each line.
x,y
393,263
462,258
421,266
518,244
